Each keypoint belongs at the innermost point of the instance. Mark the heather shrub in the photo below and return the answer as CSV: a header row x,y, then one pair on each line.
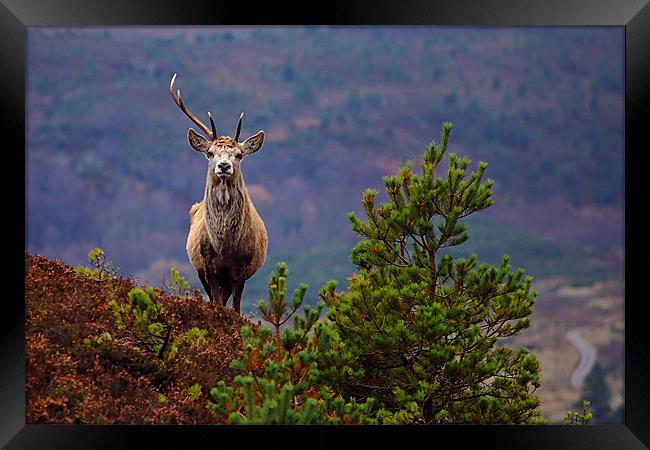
x,y
82,367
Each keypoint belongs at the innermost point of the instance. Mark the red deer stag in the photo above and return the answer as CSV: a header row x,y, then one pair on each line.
x,y
227,240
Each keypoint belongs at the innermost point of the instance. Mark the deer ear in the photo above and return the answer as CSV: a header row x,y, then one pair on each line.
x,y
253,143
198,142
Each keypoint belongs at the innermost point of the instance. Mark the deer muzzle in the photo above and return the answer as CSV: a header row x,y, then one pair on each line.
x,y
223,168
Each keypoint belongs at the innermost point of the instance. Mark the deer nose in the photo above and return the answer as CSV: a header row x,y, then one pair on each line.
x,y
223,166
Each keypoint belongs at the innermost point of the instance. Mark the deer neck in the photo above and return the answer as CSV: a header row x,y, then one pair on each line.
x,y
225,202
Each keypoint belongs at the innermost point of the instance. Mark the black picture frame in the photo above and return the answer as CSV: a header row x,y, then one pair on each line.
x,y
633,15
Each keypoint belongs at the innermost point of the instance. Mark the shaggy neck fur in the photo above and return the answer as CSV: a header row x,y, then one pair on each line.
x,y
225,213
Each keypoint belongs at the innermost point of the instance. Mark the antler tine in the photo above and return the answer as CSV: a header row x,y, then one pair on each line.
x,y
241,118
179,102
212,125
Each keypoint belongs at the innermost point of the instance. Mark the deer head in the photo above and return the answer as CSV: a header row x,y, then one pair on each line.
x,y
224,153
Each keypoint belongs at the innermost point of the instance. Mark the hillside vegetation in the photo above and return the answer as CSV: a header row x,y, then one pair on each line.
x,y
82,368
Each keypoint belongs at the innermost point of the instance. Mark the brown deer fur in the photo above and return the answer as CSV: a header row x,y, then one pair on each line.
x,y
227,240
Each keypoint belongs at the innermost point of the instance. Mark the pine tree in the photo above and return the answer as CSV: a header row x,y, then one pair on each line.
x,y
595,389
418,329
582,417
279,371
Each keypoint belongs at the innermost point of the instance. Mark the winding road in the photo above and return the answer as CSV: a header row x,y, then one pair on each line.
x,y
587,357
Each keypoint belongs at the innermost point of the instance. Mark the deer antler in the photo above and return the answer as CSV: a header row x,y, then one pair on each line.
x,y
212,134
241,118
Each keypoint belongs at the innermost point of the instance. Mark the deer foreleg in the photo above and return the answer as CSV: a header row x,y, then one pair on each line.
x,y
226,290
204,282
214,288
238,290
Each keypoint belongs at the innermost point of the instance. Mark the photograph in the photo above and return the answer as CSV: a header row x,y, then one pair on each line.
x,y
325,225
417,217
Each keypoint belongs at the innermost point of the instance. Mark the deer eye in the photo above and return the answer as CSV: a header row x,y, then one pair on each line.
x,y
239,155
209,153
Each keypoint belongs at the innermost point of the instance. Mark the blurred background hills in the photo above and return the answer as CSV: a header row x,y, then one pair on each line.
x,y
108,164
